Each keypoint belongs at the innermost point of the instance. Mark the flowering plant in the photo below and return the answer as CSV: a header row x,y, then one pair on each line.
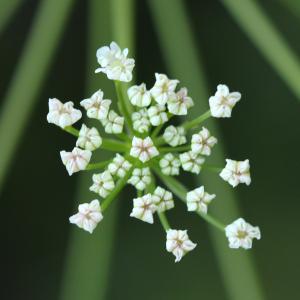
x,y
146,147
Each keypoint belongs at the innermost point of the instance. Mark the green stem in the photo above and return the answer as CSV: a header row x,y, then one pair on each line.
x,y
156,131
196,122
118,188
72,130
99,165
175,149
159,141
114,145
124,105
164,221
211,168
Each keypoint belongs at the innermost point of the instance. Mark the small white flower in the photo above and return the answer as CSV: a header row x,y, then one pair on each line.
x,y
88,216
240,234
179,103
143,149
114,123
236,172
222,103
178,243
96,106
191,162
89,138
163,89
114,63
119,166
141,121
198,200
202,142
76,160
174,136
169,164
62,114
163,199
103,184
139,96
143,208
157,115
140,178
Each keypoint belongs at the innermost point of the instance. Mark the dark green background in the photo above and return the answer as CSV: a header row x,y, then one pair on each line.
x,y
39,196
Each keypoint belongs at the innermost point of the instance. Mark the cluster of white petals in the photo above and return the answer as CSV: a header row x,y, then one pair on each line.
x,y
76,160
62,114
240,234
163,89
140,178
169,164
140,120
144,208
143,149
178,243
88,216
89,138
202,142
179,103
198,200
114,123
191,162
139,96
163,199
96,107
103,184
222,103
114,63
119,166
157,115
236,172
174,136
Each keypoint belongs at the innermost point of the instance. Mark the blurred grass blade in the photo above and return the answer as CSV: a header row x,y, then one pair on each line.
x,y
7,10
43,39
259,28
88,261
293,6
180,51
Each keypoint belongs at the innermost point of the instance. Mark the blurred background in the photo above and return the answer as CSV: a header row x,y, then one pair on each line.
x,y
48,50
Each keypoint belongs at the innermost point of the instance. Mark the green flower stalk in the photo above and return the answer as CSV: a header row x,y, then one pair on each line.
x,y
147,146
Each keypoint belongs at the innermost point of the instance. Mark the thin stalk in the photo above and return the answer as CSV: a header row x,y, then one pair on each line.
x,y
97,166
156,131
164,221
259,28
196,122
28,78
175,149
72,130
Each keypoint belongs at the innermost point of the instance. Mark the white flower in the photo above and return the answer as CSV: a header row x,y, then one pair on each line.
x,y
178,243
103,184
62,114
141,121
140,178
119,166
236,172
169,164
143,208
191,162
96,106
143,149
139,96
157,115
114,123
163,89
222,103
179,103
76,160
198,199
114,63
174,136
202,142
88,216
89,138
163,199
240,234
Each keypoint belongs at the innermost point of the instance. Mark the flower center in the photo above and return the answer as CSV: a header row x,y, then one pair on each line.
x,y
241,234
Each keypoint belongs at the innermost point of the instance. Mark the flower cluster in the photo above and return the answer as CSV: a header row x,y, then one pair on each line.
x,y
148,145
